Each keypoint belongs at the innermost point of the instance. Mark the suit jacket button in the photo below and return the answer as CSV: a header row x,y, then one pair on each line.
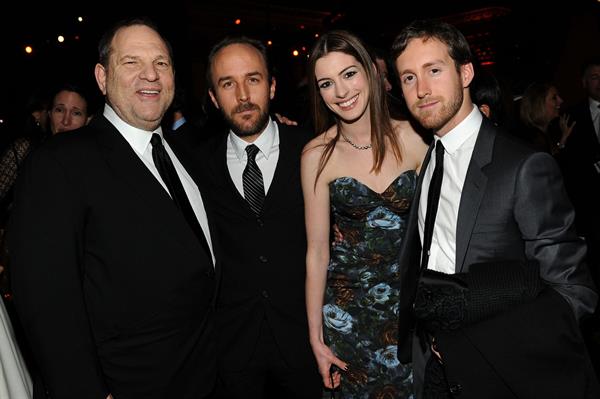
x,y
265,294
263,259
260,222
455,389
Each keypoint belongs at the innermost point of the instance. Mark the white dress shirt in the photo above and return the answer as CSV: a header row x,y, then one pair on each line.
x,y
139,140
595,112
458,146
266,158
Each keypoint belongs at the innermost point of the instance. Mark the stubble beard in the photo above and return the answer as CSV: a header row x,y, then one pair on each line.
x,y
437,120
243,130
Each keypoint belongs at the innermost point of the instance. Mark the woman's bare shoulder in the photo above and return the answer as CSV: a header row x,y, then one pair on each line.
x,y
316,146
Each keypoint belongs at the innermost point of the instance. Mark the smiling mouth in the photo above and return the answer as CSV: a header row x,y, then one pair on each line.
x,y
149,92
349,103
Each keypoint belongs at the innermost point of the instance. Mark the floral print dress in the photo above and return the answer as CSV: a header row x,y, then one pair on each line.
x,y
360,311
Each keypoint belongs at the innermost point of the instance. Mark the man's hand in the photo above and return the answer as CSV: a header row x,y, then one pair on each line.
x,y
285,120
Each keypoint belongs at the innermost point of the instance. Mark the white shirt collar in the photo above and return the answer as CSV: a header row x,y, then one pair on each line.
x,y
594,106
456,137
264,142
138,139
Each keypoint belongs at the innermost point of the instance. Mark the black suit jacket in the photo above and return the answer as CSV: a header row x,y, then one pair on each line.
x,y
578,160
513,208
263,259
112,287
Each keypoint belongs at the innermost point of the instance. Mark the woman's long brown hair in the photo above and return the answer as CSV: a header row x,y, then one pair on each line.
x,y
323,118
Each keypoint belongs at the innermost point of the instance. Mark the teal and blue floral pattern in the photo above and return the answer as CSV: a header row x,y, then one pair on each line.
x,y
363,284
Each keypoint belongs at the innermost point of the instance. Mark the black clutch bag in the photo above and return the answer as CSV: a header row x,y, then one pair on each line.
x,y
449,301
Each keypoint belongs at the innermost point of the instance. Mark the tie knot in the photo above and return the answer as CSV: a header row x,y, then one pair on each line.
x,y
155,140
251,150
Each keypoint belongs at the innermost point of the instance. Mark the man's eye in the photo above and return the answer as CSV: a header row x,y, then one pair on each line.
x,y
408,79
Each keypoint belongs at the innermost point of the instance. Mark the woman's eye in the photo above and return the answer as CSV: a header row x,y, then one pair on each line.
x,y
349,74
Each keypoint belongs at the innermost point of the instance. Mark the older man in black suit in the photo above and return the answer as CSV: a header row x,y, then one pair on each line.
x,y
110,246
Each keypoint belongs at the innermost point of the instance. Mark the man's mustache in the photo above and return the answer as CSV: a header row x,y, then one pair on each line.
x,y
427,100
246,107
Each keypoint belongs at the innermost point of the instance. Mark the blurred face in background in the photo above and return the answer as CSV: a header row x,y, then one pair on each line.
x,y
383,70
591,81
68,112
552,104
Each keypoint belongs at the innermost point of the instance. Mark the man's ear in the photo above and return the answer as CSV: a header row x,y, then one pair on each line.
x,y
467,73
213,98
100,74
272,88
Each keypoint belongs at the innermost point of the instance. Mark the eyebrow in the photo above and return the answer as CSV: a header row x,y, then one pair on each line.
x,y
136,57
249,74
425,65
341,72
64,105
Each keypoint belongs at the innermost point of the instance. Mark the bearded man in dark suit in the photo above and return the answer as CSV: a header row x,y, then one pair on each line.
x,y
494,271
253,179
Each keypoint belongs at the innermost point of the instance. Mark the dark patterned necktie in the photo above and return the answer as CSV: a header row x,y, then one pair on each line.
x,y
254,188
433,198
169,175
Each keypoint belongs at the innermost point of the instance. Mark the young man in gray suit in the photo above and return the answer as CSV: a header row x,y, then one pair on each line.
x,y
497,278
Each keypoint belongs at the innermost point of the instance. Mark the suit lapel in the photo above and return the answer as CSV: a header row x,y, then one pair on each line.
x,y
286,163
473,190
127,165
413,220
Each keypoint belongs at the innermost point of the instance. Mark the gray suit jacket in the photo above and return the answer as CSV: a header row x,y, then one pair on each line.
x,y
513,208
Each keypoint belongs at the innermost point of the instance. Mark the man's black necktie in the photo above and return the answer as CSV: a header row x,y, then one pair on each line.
x,y
169,175
254,188
433,198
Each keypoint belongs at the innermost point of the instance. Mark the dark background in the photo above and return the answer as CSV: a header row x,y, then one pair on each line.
x,y
518,41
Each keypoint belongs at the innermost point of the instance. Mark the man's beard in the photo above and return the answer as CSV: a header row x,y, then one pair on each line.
x,y
244,130
437,120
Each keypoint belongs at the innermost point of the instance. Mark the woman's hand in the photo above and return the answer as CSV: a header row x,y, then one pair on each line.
x,y
565,128
326,359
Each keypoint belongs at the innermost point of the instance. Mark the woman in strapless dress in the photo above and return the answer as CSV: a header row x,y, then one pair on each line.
x,y
362,171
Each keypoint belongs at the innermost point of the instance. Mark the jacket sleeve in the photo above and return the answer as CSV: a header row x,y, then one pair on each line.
x,y
546,219
45,243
